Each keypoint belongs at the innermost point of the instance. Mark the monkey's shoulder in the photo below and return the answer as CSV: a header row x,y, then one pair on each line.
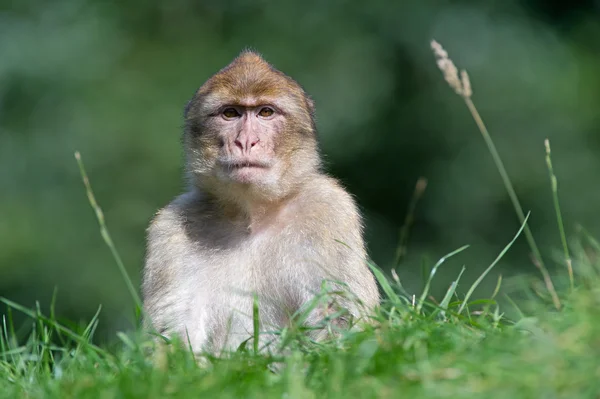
x,y
166,242
191,222
326,194
169,223
169,218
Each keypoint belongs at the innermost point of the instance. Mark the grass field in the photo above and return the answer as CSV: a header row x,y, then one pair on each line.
x,y
414,348
456,346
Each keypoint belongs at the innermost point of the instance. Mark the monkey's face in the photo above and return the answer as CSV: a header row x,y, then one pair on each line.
x,y
250,127
246,134
256,143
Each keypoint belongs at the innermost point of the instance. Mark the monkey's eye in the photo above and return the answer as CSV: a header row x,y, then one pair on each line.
x,y
266,112
230,113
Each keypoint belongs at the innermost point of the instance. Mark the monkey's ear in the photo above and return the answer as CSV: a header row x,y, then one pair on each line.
x,y
188,105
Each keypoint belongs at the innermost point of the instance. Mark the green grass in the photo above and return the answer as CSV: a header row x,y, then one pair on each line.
x,y
416,345
456,347
437,351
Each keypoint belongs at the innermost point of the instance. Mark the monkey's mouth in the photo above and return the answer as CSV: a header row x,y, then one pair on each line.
x,y
245,171
237,165
247,165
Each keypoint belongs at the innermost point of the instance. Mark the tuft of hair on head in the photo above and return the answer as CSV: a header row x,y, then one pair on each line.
x,y
249,75
251,54
248,58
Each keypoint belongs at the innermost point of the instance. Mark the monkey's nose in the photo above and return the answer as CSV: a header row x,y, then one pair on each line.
x,y
245,144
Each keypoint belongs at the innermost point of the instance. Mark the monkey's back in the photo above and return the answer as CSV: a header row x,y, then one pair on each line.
x,y
203,268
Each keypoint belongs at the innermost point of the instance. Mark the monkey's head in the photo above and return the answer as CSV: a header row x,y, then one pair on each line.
x,y
249,131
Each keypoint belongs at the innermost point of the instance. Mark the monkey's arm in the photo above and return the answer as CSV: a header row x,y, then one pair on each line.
x,y
160,281
343,256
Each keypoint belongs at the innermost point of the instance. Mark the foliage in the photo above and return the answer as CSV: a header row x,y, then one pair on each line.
x,y
110,79
455,350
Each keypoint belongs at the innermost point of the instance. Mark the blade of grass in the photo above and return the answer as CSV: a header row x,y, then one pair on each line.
x,y
300,316
3,343
188,341
53,312
432,273
16,351
44,337
591,240
490,267
69,333
514,199
408,221
7,347
514,304
256,323
380,277
105,233
425,270
548,283
8,329
462,87
451,290
385,285
497,289
91,327
126,340
559,219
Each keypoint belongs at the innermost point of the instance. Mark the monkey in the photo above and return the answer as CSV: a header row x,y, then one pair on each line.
x,y
260,223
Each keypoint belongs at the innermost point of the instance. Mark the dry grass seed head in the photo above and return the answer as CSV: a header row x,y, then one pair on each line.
x,y
462,84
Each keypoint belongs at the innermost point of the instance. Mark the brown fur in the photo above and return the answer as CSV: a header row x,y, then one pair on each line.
x,y
273,231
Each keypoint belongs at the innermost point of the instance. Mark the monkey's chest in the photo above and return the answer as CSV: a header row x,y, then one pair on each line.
x,y
230,288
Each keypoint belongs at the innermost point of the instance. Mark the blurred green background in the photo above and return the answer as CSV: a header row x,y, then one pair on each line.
x,y
110,79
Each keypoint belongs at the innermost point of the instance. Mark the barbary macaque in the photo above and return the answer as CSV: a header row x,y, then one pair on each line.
x,y
261,221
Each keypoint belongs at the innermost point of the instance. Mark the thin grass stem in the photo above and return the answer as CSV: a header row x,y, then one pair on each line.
x,y
462,86
105,233
548,283
490,267
505,178
256,323
432,273
559,219
408,221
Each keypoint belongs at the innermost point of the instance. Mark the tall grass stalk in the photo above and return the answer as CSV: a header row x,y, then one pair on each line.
x,y
106,235
408,221
559,219
255,323
462,87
